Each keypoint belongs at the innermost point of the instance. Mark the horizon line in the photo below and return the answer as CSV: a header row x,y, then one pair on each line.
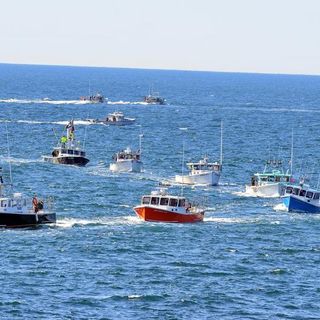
x,y
159,69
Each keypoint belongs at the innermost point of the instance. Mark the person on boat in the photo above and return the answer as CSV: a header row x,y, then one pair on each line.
x,y
35,203
63,141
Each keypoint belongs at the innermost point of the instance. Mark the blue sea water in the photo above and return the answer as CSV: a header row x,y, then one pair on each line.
x,y
249,259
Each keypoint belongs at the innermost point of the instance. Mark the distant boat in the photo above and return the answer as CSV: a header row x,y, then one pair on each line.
x,y
301,198
68,150
203,171
154,98
270,182
160,206
127,160
97,98
116,118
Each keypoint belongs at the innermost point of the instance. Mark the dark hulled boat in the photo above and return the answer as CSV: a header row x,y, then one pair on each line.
x,y
17,211
68,150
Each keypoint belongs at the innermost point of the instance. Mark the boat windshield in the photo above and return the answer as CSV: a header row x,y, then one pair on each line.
x,y
164,201
295,191
302,193
155,200
145,200
173,202
289,190
309,195
182,202
316,196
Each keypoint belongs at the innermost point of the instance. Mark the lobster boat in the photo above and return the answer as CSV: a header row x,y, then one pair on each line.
x,y
160,206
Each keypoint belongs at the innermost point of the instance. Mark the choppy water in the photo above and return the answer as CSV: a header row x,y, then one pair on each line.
x,y
250,259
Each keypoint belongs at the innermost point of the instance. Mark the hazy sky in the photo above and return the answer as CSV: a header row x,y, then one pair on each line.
x,y
277,36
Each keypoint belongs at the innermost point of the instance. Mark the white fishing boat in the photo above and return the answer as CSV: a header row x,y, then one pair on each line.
x,y
154,98
116,118
202,172
272,181
68,150
127,160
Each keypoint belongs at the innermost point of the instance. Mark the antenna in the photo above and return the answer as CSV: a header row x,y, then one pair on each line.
x,y
9,156
182,162
291,158
140,143
221,144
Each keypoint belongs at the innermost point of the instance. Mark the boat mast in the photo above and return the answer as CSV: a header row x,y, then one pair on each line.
x,y
182,163
9,156
291,159
140,143
221,143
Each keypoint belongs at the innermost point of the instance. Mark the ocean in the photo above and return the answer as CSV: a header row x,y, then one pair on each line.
x,y
249,259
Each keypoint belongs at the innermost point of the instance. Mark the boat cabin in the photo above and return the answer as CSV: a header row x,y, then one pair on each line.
x,y
274,177
114,117
69,152
166,200
204,166
126,155
301,192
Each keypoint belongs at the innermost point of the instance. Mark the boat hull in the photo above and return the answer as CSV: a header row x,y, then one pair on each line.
x,y
157,215
294,204
126,166
211,179
273,190
18,220
76,161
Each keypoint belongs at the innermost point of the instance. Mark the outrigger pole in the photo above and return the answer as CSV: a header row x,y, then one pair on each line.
x,y
291,159
9,156
221,144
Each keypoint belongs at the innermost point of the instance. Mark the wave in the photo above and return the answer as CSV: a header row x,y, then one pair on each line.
x,y
249,194
280,207
61,102
74,222
18,160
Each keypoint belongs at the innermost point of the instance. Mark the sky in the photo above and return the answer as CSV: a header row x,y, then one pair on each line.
x,y
265,36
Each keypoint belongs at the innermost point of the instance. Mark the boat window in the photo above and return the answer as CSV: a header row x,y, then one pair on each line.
x,y
76,152
164,201
196,167
70,151
264,179
155,200
3,203
145,200
296,191
182,202
316,196
302,193
309,194
9,203
271,179
24,202
277,179
289,190
63,151
173,202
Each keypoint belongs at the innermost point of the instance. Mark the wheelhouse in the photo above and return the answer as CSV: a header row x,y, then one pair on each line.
x,y
301,192
163,201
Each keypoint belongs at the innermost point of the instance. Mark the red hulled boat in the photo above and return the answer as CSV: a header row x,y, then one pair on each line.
x,y
162,207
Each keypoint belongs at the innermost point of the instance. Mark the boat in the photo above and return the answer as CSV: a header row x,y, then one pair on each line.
x,y
301,198
202,172
154,98
17,211
96,98
160,206
68,150
127,160
116,118
271,182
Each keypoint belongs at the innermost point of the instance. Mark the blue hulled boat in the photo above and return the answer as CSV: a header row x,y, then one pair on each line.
x,y
300,198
